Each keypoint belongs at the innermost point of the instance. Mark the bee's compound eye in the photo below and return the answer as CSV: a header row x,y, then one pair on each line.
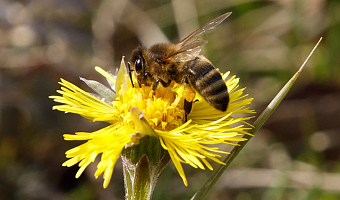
x,y
139,64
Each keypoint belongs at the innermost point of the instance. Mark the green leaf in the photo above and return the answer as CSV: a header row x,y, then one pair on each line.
x,y
142,181
204,190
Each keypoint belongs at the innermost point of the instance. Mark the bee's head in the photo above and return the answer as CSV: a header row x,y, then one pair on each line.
x,y
137,62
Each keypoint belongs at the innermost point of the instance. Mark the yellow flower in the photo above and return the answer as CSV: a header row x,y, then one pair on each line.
x,y
133,113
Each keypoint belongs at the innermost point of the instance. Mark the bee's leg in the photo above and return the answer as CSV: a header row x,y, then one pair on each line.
x,y
187,108
188,95
156,83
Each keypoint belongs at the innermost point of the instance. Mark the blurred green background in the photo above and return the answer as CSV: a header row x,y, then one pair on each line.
x,y
295,156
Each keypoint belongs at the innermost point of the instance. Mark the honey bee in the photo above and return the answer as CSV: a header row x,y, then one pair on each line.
x,y
166,62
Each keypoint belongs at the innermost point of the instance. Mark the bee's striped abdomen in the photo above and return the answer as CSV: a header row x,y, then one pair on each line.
x,y
208,83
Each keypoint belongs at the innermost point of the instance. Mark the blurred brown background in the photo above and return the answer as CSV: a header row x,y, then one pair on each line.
x,y
295,156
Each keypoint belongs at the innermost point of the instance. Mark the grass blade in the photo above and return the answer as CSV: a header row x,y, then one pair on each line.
x,y
204,190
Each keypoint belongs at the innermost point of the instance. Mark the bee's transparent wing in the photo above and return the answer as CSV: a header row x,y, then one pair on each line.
x,y
207,28
191,45
189,52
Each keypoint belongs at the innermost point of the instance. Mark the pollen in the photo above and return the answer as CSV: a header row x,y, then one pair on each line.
x,y
188,93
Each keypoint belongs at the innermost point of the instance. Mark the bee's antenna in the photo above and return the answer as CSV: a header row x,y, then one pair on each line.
x,y
130,73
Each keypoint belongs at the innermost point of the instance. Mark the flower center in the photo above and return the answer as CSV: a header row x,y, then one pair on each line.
x,y
162,108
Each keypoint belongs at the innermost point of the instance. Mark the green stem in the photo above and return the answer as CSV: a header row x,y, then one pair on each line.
x,y
143,164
